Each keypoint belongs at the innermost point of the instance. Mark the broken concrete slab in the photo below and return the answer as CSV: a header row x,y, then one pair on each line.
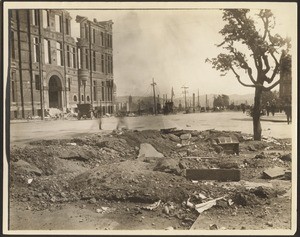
x,y
273,173
206,205
147,150
174,138
214,174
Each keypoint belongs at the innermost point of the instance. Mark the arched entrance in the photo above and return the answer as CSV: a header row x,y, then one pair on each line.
x,y
55,90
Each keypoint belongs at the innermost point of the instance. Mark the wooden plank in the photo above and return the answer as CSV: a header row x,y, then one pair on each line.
x,y
214,174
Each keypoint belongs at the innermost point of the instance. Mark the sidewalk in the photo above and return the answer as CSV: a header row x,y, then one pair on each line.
x,y
278,117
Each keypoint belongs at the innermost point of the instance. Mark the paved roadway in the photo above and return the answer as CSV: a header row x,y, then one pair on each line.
x,y
23,131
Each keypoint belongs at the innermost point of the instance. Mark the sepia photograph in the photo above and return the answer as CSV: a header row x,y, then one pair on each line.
x,y
156,118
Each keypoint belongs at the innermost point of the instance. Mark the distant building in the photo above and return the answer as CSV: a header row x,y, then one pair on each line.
x,y
49,69
285,86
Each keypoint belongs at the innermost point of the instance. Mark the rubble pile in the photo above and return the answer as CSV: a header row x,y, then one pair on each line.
x,y
149,168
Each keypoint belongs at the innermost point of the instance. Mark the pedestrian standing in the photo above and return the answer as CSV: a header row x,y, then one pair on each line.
x,y
273,107
268,108
288,111
99,113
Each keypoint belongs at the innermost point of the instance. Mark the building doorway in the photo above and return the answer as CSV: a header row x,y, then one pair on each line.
x,y
55,90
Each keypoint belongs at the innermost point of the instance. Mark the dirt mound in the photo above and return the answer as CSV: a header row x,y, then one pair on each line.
x,y
129,180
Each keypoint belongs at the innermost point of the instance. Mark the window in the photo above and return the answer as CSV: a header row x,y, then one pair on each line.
x,y
46,19
74,57
94,60
88,98
94,36
82,98
102,63
59,54
58,23
13,50
69,83
86,31
67,26
75,98
36,50
35,17
95,90
68,56
79,57
86,58
47,51
37,82
103,90
106,64
13,88
111,64
102,38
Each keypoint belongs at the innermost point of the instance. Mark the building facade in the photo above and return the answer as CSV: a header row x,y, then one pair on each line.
x,y
49,69
285,86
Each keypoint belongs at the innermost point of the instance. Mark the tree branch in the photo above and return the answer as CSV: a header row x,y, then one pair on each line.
x,y
239,80
274,85
266,61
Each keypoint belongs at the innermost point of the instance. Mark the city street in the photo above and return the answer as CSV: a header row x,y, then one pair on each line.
x,y
23,131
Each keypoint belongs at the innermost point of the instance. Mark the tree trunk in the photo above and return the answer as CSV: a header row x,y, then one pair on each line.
x,y
256,115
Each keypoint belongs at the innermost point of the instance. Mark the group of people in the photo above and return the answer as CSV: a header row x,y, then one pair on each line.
x,y
271,107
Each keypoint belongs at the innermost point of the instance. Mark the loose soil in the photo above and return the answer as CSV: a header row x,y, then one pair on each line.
x,y
97,182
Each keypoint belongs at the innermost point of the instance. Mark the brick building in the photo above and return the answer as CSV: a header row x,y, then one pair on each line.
x,y
49,69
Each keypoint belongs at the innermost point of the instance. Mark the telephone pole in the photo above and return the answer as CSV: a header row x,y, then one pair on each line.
x,y
199,101
184,91
153,84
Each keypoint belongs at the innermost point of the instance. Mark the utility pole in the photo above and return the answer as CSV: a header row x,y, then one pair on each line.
x,y
184,91
153,84
194,102
199,102
205,102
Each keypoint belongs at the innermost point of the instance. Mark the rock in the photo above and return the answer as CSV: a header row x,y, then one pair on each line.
x,y
167,166
29,181
185,136
251,148
174,138
169,228
269,224
287,157
260,156
93,200
166,210
218,149
213,227
147,150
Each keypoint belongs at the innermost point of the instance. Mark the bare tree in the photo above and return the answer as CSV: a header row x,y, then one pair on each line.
x,y
256,53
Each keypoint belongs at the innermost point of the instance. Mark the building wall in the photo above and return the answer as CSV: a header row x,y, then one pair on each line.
x,y
44,64
285,88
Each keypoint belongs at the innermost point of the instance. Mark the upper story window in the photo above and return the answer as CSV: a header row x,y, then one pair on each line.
x,y
58,23
74,57
102,63
46,19
79,59
86,58
47,51
68,56
102,38
13,50
94,36
68,26
59,54
36,51
35,17
86,31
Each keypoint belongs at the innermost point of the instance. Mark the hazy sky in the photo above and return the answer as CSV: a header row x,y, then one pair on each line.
x,y
170,46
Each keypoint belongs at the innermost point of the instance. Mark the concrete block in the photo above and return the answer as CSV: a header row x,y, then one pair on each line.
x,y
274,173
214,174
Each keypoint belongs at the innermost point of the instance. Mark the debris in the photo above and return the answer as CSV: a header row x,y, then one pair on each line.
x,y
185,136
167,130
260,156
179,145
273,173
207,205
169,228
24,166
269,224
147,150
251,148
93,200
288,175
152,206
213,227
166,210
213,174
195,181
174,138
71,144
230,202
189,204
287,157
201,196
230,145
168,166
29,181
